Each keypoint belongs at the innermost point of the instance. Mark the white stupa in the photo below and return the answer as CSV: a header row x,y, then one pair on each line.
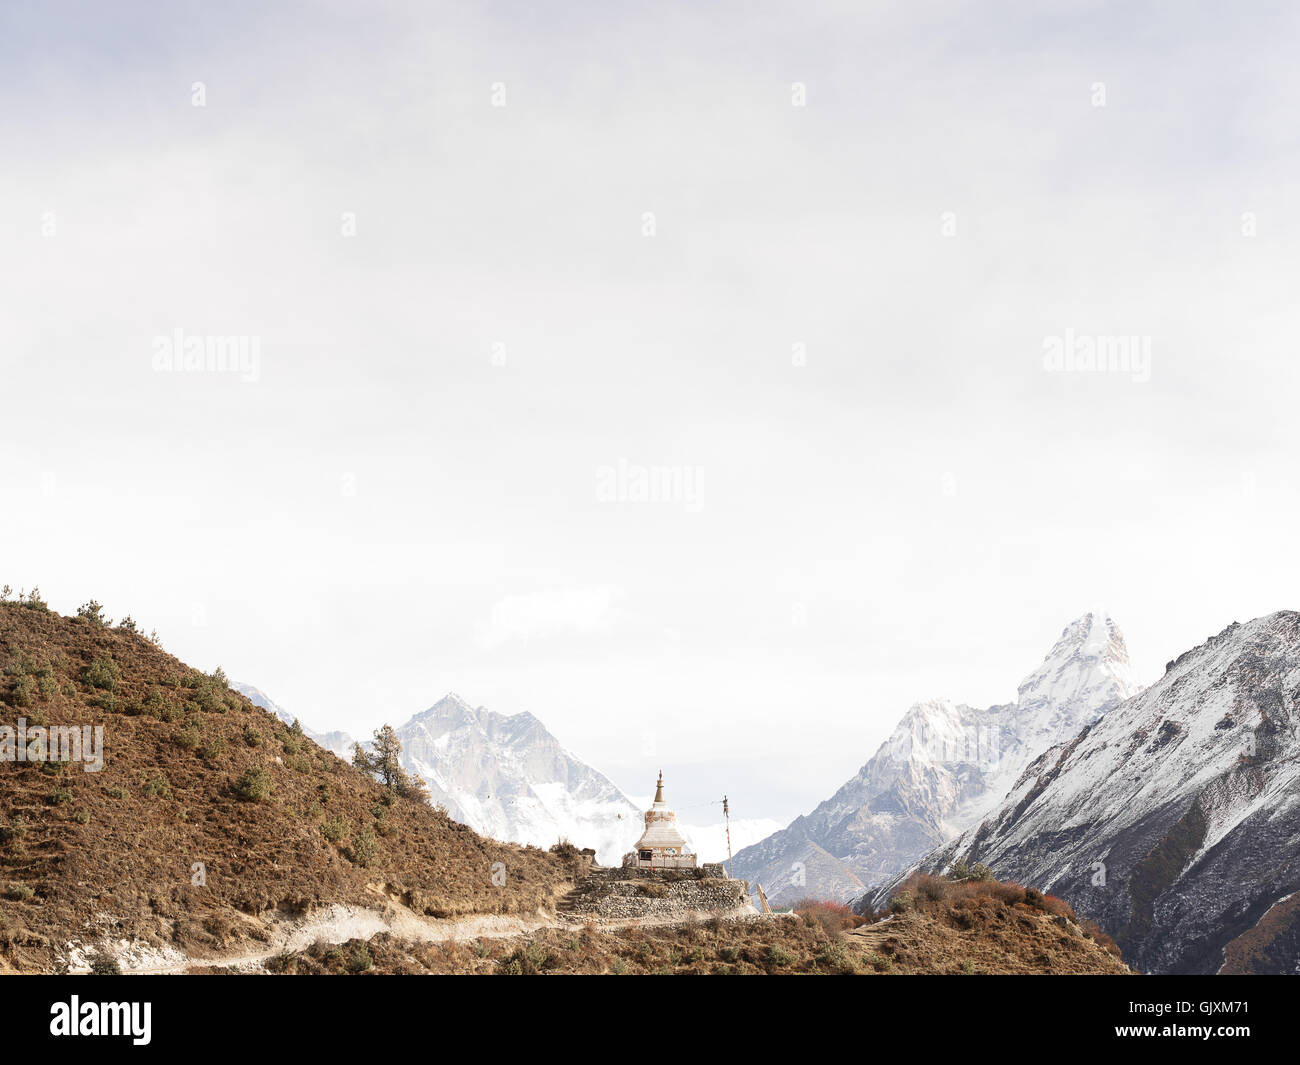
x,y
661,846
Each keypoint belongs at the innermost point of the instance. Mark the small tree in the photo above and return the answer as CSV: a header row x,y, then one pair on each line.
x,y
254,785
93,612
963,870
364,846
102,673
385,765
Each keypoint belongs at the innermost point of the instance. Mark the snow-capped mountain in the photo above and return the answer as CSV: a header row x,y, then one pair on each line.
x,y
509,778
944,767
1174,821
338,742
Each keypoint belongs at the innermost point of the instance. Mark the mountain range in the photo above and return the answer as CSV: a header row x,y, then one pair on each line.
x,y
1171,815
1174,820
945,766
508,777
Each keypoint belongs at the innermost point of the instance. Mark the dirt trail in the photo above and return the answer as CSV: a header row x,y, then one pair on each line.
x,y
338,923
871,936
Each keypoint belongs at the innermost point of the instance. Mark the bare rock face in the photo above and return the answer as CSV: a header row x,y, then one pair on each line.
x,y
944,767
1174,821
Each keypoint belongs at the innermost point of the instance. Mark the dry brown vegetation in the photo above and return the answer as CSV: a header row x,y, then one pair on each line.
x,y
719,947
942,928
194,773
938,925
834,917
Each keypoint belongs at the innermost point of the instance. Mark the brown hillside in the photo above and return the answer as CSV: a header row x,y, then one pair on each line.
x,y
938,927
194,773
992,931
969,926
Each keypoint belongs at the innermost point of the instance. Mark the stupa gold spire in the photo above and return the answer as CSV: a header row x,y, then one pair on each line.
x,y
661,846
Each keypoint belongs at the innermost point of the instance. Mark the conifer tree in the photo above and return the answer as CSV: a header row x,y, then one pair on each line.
x,y
384,763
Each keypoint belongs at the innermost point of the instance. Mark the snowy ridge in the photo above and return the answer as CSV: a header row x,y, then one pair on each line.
x,y
1186,798
1084,675
942,769
339,743
509,778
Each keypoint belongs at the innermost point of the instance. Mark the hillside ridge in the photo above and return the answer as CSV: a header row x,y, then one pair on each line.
x,y
210,818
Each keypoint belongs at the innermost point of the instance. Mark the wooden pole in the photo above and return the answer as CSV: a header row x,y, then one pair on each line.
x,y
726,818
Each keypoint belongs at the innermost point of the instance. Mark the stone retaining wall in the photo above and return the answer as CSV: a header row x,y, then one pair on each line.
x,y
613,894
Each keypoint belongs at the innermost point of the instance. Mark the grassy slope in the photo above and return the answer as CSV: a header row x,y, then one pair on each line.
x,y
108,854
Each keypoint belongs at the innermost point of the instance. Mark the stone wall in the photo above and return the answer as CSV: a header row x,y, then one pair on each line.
x,y
630,867
622,894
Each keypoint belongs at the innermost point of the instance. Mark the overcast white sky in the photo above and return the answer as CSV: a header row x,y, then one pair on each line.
x,y
430,486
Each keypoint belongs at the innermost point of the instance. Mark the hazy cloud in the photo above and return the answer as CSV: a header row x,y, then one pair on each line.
x,y
549,612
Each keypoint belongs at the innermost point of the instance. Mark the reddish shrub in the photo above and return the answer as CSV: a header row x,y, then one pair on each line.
x,y
834,917
1006,893
1058,907
1093,931
923,888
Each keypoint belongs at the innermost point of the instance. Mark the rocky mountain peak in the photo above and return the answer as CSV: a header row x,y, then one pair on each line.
x,y
934,731
1185,798
943,767
1085,675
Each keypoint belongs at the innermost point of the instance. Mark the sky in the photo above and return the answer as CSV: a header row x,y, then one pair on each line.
x,y
713,383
